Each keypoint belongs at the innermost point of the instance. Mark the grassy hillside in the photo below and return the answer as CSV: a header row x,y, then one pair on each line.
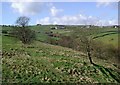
x,y
40,62
107,35
110,39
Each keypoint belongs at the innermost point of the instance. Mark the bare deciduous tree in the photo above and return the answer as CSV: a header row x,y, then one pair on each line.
x,y
87,42
22,32
22,21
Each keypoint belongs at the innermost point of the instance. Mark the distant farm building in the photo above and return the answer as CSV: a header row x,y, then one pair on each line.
x,y
61,27
100,26
58,27
38,24
88,26
53,28
115,26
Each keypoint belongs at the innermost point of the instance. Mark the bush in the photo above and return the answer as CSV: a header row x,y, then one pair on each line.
x,y
4,31
26,35
66,41
105,51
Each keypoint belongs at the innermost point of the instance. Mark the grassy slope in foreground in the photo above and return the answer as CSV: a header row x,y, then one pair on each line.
x,y
41,62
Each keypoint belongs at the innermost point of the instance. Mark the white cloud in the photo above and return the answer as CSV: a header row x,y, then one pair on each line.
x,y
103,23
113,22
46,20
28,8
31,7
66,20
107,22
99,4
54,11
105,2
76,20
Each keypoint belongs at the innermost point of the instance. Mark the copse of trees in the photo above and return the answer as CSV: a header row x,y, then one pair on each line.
x,y
22,32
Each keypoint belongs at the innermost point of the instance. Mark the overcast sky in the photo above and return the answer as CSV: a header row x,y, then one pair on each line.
x,y
65,13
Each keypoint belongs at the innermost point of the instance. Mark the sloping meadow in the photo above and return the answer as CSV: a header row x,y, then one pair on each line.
x,y
45,63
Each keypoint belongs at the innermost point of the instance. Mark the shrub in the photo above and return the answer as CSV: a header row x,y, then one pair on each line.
x,y
4,31
25,35
52,41
66,41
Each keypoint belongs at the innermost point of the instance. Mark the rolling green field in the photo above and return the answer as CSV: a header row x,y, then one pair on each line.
x,y
106,35
45,63
110,39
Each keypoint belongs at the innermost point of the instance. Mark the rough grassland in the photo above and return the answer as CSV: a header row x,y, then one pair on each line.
x,y
40,62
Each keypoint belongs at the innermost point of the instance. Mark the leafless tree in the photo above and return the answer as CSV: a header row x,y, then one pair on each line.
x,y
87,42
22,21
22,32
